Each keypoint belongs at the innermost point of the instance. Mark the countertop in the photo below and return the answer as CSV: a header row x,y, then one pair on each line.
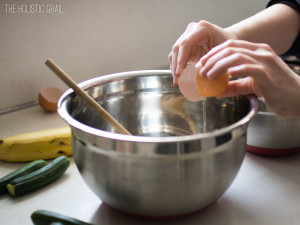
x,y
266,190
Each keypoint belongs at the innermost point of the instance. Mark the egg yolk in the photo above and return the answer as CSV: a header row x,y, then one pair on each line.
x,y
212,88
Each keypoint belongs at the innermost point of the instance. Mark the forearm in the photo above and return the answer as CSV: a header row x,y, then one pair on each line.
x,y
278,26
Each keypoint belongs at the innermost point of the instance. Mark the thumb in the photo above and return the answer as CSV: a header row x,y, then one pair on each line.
x,y
241,86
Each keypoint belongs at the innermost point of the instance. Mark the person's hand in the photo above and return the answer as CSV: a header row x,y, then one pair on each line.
x,y
195,42
261,72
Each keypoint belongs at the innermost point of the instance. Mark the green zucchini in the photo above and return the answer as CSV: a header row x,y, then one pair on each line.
x,y
26,169
40,177
44,217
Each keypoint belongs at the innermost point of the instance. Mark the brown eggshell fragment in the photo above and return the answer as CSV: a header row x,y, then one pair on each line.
x,y
48,98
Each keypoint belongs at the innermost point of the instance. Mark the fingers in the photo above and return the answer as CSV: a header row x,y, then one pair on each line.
x,y
232,44
189,47
234,53
173,58
230,57
177,57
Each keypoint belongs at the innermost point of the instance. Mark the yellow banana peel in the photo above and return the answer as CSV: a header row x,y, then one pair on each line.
x,y
44,144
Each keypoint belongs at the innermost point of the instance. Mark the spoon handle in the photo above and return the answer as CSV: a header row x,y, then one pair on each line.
x,y
88,99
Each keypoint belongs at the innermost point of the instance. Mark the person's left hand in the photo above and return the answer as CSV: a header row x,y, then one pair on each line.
x,y
260,72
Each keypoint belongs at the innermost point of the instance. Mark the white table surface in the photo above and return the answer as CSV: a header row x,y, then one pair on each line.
x,y
265,192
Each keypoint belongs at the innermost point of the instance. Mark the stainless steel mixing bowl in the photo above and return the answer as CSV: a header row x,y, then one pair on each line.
x,y
179,159
272,135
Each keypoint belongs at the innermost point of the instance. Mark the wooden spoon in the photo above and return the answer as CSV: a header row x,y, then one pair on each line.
x,y
88,99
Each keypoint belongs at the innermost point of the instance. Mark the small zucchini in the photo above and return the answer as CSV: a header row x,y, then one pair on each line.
x,y
40,177
26,169
44,217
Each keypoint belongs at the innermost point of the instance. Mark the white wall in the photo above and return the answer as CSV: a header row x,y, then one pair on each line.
x,y
96,37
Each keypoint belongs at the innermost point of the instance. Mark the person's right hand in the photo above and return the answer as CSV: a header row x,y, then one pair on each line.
x,y
195,42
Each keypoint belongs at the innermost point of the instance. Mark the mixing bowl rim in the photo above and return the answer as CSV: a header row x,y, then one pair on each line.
x,y
62,105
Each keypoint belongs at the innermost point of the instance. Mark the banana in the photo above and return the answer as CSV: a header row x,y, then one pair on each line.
x,y
45,144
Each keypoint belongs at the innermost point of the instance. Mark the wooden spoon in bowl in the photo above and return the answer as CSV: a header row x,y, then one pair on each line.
x,y
88,99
